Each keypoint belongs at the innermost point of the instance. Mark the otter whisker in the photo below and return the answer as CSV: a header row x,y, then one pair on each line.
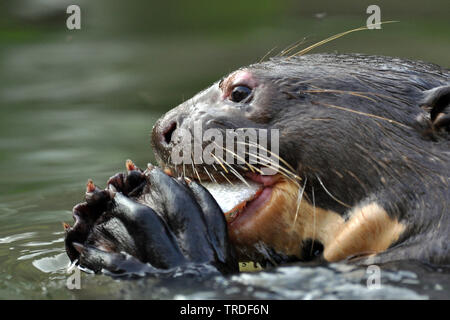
x,y
291,47
267,54
243,168
176,171
356,93
361,113
328,192
252,168
288,175
314,220
194,169
273,154
220,162
223,175
280,170
353,93
209,175
196,173
336,36
299,201
358,180
271,164
321,119
216,170
238,175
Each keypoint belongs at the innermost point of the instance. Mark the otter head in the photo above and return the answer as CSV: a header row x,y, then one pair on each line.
x,y
344,130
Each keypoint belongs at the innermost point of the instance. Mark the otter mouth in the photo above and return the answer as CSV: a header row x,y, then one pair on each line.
x,y
240,200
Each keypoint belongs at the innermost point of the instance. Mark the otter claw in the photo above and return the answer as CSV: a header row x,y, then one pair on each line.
x,y
90,186
128,183
168,171
187,180
95,196
117,182
130,165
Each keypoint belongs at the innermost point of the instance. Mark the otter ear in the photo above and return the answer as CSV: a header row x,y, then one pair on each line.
x,y
436,103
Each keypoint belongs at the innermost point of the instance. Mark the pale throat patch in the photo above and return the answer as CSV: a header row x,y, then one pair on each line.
x,y
285,223
369,231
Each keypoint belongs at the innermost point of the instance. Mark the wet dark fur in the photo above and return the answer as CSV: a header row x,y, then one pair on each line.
x,y
391,152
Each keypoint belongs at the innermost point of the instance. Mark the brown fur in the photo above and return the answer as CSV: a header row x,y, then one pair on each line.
x,y
285,222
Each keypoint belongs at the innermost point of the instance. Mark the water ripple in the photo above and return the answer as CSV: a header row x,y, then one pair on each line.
x,y
17,237
57,263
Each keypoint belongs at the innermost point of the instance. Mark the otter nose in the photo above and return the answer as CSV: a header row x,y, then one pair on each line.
x,y
167,132
162,135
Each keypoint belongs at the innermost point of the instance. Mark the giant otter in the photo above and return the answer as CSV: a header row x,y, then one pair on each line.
x,y
363,173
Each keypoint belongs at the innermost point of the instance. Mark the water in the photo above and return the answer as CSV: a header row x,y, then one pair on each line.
x,y
75,106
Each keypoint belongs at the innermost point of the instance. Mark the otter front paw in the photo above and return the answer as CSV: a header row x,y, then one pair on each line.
x,y
148,223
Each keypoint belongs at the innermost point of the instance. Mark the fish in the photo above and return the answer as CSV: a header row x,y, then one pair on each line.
x,y
232,198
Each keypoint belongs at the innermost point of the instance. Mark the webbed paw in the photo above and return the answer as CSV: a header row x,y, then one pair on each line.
x,y
146,222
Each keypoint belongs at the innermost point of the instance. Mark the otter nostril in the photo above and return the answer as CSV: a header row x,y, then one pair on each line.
x,y
167,133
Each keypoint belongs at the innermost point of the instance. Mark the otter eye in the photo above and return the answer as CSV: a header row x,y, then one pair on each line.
x,y
239,93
